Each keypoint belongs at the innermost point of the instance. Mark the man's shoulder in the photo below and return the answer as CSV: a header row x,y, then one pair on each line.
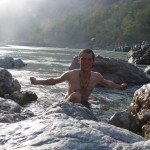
x,y
71,72
74,71
96,74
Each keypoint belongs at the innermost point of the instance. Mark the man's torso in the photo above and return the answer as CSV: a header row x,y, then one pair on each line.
x,y
74,84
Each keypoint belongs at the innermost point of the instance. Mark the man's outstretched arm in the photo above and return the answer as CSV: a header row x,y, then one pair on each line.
x,y
50,81
111,84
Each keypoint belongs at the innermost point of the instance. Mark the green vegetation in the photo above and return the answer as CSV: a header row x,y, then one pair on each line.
x,y
86,23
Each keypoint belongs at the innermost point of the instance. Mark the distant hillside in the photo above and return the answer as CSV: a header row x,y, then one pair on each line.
x,y
77,23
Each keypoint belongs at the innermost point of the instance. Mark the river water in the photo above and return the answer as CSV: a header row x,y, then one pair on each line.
x,y
45,62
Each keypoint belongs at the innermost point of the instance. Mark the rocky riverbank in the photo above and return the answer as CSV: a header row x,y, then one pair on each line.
x,y
69,126
140,54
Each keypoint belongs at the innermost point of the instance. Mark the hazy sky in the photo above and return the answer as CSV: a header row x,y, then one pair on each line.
x,y
7,5
14,15
19,18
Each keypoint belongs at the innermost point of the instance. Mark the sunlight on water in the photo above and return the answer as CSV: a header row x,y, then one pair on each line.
x,y
4,53
112,54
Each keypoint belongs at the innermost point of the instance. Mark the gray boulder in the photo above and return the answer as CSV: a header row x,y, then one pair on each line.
x,y
9,63
137,118
7,83
11,112
18,63
140,54
147,69
116,70
139,108
124,120
58,129
23,97
120,119
72,110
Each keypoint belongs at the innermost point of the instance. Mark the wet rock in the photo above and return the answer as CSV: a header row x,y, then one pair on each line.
x,y
23,97
18,63
7,83
140,54
120,119
137,118
140,108
11,112
72,110
146,130
9,63
116,70
124,120
57,129
147,69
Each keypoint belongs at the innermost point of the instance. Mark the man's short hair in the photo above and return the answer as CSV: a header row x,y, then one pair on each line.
x,y
88,51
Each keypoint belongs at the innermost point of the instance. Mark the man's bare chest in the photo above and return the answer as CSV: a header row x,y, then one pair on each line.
x,y
75,85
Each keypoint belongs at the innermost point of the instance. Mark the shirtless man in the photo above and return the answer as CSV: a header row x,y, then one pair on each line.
x,y
81,81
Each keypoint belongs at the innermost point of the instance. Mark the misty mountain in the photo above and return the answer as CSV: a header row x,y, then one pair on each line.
x,y
75,23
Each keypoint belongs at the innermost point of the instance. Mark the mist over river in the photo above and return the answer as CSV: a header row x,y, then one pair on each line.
x,y
45,62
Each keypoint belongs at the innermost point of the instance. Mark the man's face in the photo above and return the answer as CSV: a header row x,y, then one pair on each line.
x,y
86,61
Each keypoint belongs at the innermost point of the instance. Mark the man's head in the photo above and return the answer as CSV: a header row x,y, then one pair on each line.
x,y
88,51
86,59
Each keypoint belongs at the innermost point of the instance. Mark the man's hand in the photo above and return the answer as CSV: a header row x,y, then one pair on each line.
x,y
123,86
33,80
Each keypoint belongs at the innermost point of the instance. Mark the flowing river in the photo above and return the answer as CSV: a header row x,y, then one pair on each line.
x,y
45,62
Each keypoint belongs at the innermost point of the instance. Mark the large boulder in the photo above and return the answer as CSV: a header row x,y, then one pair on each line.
x,y
140,109
140,54
116,70
120,119
9,63
137,117
7,83
66,126
123,119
